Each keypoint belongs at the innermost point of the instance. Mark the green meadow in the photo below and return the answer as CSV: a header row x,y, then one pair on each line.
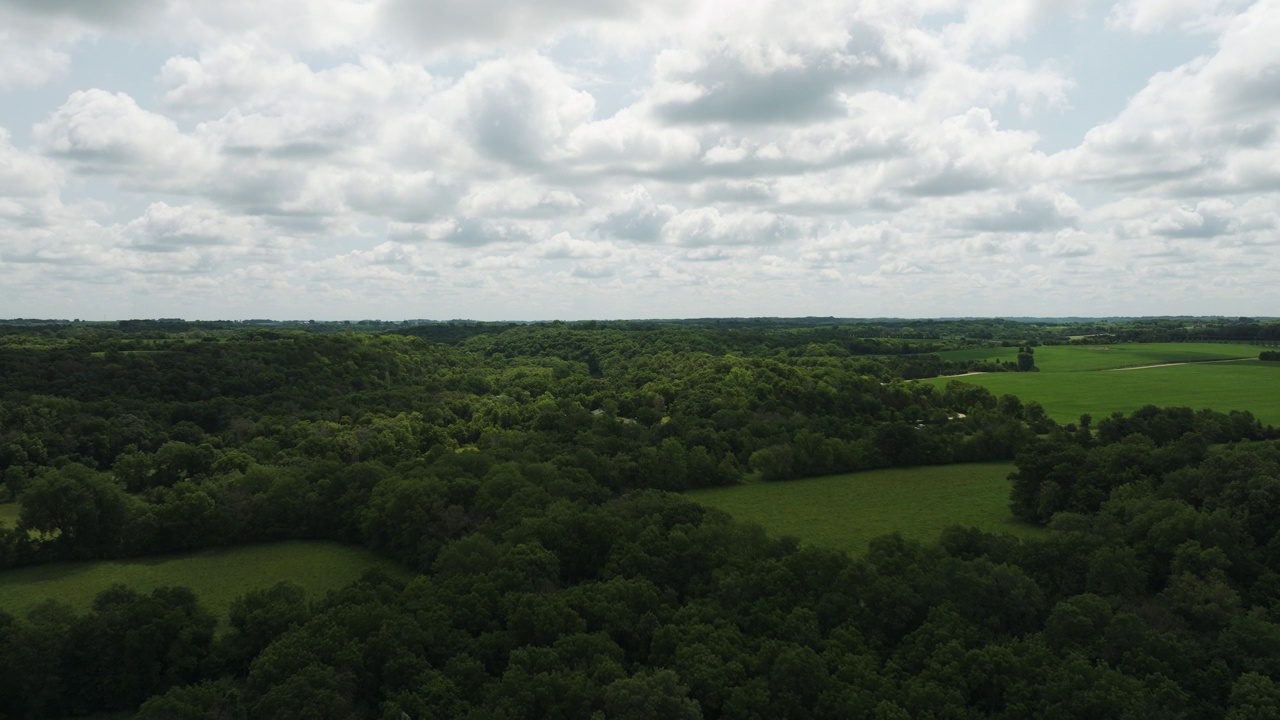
x,y
216,576
1078,379
847,511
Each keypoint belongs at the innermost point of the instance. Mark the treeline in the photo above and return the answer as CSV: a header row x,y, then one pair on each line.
x,y
1248,330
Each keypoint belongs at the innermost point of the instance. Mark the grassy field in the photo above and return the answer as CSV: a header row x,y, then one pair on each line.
x,y
1077,379
216,576
1244,385
8,515
846,511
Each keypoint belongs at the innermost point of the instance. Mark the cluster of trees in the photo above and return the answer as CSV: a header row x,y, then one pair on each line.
x,y
522,473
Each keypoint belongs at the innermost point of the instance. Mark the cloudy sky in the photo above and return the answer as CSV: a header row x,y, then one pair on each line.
x,y
505,159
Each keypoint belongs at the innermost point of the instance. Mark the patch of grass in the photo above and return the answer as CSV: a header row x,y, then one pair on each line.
x,y
216,576
1245,385
847,511
9,515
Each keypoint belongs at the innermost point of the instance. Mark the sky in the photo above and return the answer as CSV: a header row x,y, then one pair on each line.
x,y
578,159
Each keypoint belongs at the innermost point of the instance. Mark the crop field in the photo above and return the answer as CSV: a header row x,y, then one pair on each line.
x,y
847,511
1076,358
1077,379
216,576
1244,385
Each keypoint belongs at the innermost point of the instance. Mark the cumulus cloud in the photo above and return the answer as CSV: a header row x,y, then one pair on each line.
x,y
107,133
708,226
564,246
518,109
26,61
465,231
1070,244
997,23
165,228
1149,16
636,216
1206,127
1035,211
770,65
965,153
24,174
485,22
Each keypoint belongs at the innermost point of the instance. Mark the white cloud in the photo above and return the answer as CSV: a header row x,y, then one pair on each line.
x,y
996,23
518,197
964,153
23,174
763,62
436,25
464,231
564,246
105,133
1150,16
1039,210
635,216
708,226
27,61
517,109
1206,127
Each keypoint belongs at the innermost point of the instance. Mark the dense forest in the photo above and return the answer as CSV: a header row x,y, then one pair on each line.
x,y
529,475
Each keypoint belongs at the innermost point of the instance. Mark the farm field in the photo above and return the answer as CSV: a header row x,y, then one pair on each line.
x,y
1244,385
847,511
1077,358
216,576
1077,379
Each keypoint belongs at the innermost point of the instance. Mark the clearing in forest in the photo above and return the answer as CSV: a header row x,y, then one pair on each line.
x,y
216,576
846,511
9,515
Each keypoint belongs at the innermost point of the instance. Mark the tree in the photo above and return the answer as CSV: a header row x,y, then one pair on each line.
x,y
76,508
1026,359
650,694
261,616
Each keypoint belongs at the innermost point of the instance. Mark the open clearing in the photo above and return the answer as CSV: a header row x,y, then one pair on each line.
x,y
216,576
847,511
1172,374
8,515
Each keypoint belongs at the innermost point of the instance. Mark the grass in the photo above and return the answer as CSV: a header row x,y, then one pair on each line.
x,y
1223,387
216,576
1069,385
847,511
8,515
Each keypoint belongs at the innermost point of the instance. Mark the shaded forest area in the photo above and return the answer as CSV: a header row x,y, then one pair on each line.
x,y
524,475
